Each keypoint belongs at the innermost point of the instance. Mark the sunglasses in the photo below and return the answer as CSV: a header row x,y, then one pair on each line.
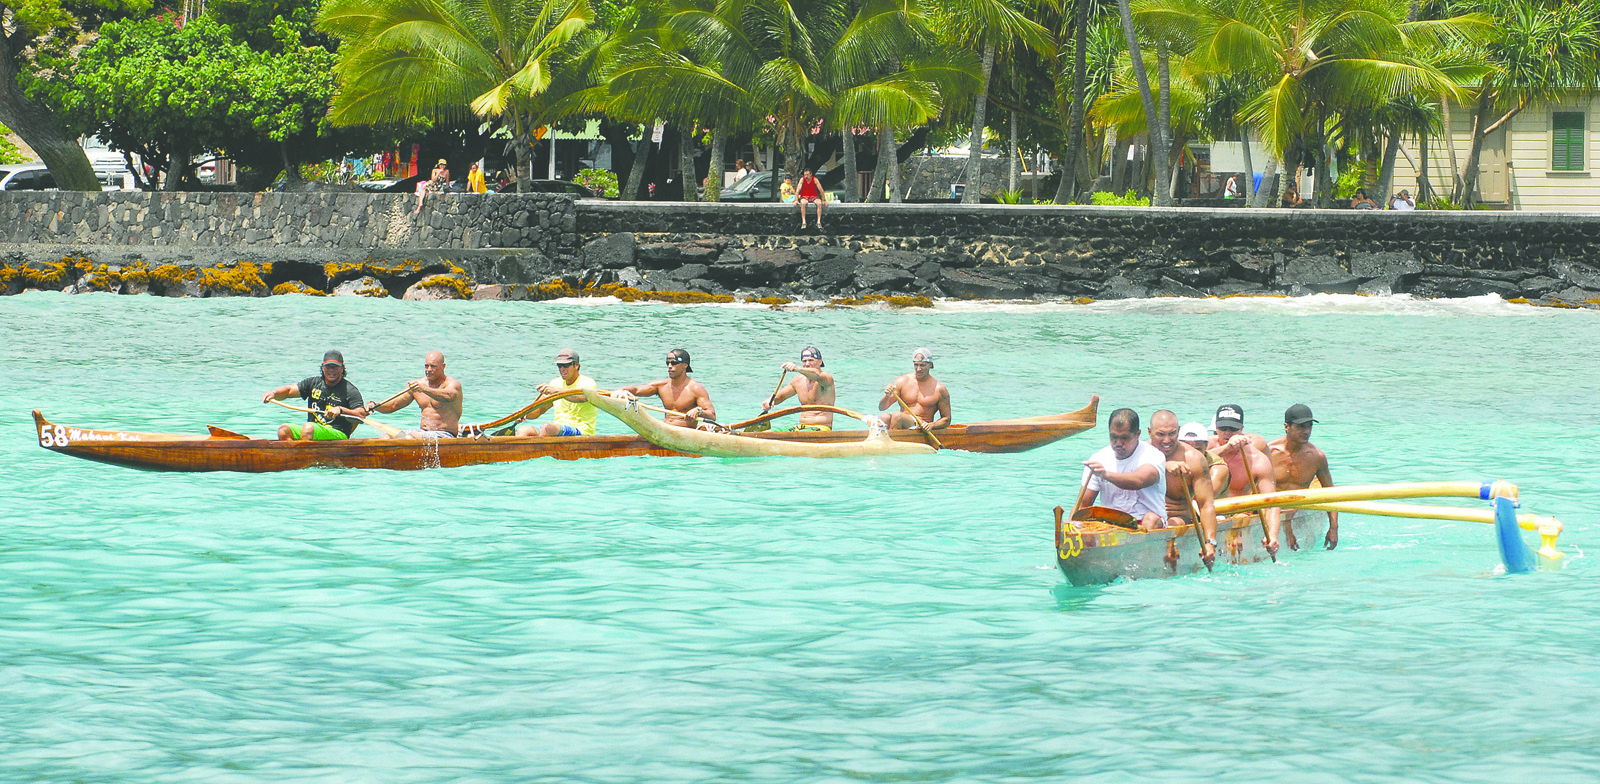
x,y
565,364
672,362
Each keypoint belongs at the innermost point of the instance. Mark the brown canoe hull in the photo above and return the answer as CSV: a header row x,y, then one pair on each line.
x,y
175,452
1093,553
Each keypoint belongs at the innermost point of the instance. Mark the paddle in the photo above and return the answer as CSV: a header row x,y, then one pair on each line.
x,y
388,430
519,413
783,412
229,435
918,420
1194,509
772,400
1106,514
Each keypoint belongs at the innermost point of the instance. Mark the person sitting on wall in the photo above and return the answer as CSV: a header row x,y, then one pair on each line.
x,y
1291,196
1402,201
810,192
1361,202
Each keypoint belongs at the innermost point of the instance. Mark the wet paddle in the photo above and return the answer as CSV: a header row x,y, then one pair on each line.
x,y
1105,514
920,424
1194,509
772,400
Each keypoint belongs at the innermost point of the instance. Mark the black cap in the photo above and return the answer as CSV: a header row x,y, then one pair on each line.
x,y
812,351
683,355
1229,416
334,357
1298,414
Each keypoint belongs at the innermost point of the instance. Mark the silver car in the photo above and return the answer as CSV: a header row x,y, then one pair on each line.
x,y
26,177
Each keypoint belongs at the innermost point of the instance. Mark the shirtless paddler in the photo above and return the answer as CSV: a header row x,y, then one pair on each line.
x,y
439,397
1296,462
812,385
925,395
1187,478
685,397
1249,468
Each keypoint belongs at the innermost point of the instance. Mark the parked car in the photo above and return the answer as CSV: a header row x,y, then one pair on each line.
x,y
758,187
556,186
26,177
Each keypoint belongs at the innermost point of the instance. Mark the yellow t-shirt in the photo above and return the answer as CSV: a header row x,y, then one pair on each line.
x,y
579,415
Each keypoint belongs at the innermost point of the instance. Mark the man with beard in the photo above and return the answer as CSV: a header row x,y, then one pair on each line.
x,y
329,394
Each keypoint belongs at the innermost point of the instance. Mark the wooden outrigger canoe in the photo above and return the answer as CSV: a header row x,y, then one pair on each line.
x,y
225,451
711,444
1091,552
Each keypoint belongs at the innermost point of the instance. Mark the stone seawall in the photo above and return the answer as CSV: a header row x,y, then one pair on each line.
x,y
545,246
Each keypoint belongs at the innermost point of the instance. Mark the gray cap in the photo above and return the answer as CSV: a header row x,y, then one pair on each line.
x,y
922,354
333,357
565,356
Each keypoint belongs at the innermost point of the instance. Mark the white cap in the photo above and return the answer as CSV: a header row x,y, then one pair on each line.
x,y
1194,431
922,354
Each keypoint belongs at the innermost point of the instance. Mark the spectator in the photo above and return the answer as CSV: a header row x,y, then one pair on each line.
x,y
786,192
1291,196
1232,189
501,181
739,170
475,183
1402,201
810,192
1361,202
437,182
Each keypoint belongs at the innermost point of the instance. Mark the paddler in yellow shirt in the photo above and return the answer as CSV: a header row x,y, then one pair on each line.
x,y
574,416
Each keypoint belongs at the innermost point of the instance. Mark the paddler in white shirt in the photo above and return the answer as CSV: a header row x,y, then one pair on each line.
x,y
575,416
1129,475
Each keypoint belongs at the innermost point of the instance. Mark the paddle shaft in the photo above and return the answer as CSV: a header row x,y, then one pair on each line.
x,y
1194,509
920,424
389,430
772,399
1319,495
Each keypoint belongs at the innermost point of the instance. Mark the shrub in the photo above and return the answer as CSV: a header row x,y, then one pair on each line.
x,y
1129,199
601,181
1008,197
9,153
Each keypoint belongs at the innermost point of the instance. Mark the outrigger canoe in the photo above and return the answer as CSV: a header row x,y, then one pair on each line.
x,y
221,450
1092,552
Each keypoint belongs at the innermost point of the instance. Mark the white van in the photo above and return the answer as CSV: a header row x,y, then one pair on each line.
x,y
26,177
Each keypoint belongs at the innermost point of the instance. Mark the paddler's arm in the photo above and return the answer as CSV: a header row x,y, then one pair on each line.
x,y
1332,539
781,395
702,404
1265,483
1137,479
287,390
391,406
651,389
814,375
889,393
449,393
1205,497
943,420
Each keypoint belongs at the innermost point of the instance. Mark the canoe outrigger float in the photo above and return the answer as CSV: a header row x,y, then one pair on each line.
x,y
1092,552
223,450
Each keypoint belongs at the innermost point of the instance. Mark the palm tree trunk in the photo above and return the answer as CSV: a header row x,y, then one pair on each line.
x,y
1080,71
1136,57
1268,195
1391,152
1249,167
641,158
852,179
1467,190
975,141
291,171
879,173
719,145
1015,156
893,162
686,160
1162,154
1450,145
1424,185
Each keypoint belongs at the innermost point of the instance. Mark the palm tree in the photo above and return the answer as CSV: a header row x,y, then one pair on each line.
x,y
993,27
499,60
1315,58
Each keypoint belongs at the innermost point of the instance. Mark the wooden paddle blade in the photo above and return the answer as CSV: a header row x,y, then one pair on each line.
x,y
1106,514
217,432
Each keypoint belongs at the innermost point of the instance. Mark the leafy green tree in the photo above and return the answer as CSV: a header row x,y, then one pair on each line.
x,y
504,61
994,27
48,28
9,153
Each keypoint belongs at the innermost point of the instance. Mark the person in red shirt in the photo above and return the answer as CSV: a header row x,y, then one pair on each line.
x,y
810,192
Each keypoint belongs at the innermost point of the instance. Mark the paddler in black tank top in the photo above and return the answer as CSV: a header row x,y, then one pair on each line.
x,y
331,394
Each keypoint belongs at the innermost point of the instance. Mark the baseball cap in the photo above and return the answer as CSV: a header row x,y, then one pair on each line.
x,y
1298,414
811,351
1194,431
333,357
1230,416
922,354
566,355
683,356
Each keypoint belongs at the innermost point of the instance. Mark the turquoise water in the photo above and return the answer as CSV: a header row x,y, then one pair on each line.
x,y
676,620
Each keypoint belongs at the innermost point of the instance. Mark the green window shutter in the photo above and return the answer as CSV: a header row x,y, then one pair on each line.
x,y
1569,147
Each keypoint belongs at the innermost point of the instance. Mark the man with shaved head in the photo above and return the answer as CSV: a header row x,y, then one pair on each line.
x,y
1187,479
439,397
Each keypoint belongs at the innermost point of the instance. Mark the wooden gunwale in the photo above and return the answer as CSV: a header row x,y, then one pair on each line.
x,y
180,452
1094,553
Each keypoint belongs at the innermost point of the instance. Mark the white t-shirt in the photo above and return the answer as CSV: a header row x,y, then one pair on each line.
x,y
1401,204
1134,502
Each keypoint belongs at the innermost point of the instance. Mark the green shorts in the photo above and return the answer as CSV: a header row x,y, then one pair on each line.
x,y
319,432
